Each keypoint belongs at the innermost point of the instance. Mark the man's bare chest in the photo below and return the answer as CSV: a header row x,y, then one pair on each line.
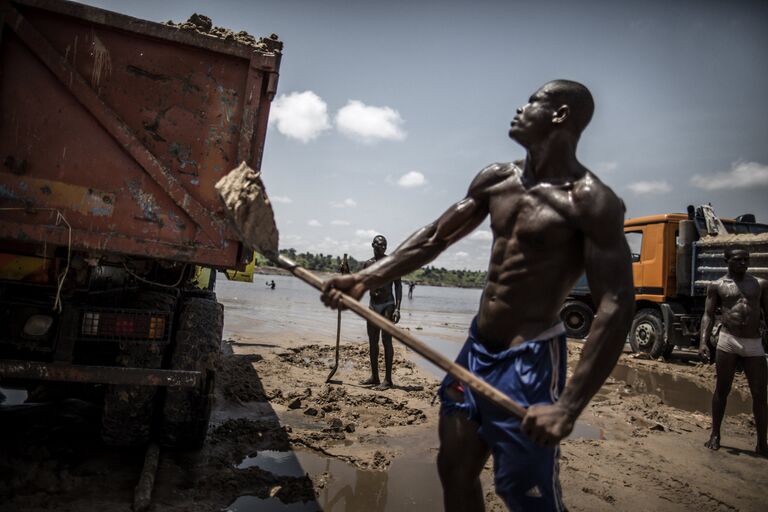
x,y
746,291
542,216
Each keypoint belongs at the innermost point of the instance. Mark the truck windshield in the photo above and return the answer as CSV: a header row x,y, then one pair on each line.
x,y
635,241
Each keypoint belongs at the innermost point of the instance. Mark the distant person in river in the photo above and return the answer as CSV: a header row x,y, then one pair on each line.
x,y
740,297
271,284
411,286
387,304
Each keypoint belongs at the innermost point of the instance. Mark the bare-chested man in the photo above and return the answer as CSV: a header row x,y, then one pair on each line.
x,y
387,304
740,297
552,219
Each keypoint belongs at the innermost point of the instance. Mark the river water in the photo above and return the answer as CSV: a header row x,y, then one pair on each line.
x,y
438,316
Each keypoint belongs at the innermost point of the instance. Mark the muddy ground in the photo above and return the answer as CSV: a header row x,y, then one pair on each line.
x,y
636,451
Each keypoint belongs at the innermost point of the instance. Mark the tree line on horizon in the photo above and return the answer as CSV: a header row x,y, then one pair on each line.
x,y
432,276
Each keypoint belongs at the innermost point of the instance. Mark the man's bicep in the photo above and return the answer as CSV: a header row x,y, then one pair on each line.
x,y
764,301
607,258
608,264
460,219
713,297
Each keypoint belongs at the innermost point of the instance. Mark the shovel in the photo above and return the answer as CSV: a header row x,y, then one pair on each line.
x,y
248,206
336,365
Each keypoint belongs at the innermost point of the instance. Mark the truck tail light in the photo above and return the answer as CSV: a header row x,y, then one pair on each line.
x,y
111,325
90,324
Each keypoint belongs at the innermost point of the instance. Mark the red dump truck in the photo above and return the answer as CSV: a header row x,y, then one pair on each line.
x,y
113,132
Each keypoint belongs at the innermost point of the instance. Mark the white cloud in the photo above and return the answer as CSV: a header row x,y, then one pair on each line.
x,y
369,124
347,203
300,115
281,199
650,187
741,175
412,179
481,235
461,255
314,223
339,223
366,233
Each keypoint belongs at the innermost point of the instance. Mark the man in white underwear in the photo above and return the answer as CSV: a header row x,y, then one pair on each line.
x,y
740,297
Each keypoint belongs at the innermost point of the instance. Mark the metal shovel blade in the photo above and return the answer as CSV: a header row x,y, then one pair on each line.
x,y
247,203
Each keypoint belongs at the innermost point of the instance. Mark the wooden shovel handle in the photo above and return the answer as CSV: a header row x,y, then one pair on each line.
x,y
458,372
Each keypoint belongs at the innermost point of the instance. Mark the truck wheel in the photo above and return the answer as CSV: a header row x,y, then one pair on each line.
x,y
577,318
128,410
647,333
187,411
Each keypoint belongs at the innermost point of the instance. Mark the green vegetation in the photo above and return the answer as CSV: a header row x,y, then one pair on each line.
x,y
432,276
317,262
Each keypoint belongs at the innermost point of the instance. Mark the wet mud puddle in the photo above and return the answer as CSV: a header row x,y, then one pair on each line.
x,y
12,396
676,391
410,483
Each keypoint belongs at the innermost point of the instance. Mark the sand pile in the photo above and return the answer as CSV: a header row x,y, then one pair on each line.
x,y
204,25
745,239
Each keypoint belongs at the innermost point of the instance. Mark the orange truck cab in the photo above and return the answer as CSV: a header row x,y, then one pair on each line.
x,y
674,257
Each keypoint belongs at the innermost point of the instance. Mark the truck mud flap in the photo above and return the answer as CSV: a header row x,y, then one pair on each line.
x,y
673,334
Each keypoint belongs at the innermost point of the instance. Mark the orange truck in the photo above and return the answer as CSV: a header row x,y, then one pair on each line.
x,y
113,132
674,257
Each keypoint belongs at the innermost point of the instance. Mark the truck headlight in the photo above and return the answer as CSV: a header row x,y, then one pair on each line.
x,y
37,325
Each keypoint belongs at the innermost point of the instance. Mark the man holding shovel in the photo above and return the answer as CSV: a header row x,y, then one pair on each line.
x,y
387,305
552,219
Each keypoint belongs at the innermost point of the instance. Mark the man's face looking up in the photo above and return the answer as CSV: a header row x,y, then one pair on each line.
x,y
533,120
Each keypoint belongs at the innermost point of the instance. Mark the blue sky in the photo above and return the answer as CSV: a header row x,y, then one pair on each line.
x,y
386,110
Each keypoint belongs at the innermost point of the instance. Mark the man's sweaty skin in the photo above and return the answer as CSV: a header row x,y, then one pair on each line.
x,y
740,297
551,219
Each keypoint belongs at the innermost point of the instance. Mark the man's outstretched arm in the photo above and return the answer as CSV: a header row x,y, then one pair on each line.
x,y
609,271
421,247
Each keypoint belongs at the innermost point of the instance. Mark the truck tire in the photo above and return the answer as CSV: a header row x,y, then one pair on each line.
x,y
647,333
197,347
126,419
577,318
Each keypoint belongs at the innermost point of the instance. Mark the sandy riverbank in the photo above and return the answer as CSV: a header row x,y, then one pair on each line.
x,y
282,439
650,454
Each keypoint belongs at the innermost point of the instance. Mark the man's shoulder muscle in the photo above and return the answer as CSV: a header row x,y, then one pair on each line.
x,y
598,205
492,174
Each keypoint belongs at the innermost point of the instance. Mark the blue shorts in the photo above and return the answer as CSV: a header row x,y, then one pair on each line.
x,y
533,372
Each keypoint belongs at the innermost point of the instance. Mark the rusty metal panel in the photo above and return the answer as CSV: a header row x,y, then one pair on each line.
x,y
11,369
123,126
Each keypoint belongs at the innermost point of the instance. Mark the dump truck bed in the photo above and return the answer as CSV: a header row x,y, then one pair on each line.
x,y
709,262
114,130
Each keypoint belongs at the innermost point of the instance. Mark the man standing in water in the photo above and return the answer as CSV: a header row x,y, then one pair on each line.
x,y
740,297
552,219
387,305
411,286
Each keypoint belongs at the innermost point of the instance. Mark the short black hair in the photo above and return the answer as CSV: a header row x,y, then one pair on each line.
x,y
728,252
577,97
